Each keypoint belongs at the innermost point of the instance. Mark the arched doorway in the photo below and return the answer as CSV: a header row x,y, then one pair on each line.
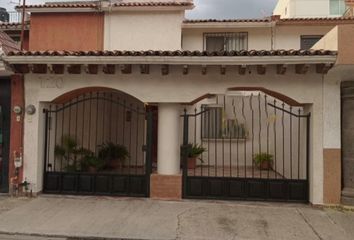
x,y
97,141
247,144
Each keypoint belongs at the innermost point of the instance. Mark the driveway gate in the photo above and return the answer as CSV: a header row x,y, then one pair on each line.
x,y
5,114
255,147
98,143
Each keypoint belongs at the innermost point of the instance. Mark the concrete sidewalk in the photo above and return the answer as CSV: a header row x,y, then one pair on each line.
x,y
122,218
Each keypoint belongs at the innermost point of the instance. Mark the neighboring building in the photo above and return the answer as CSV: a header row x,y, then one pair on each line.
x,y
310,8
102,76
6,45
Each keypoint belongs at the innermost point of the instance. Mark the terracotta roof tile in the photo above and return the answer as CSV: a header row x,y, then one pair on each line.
x,y
317,19
62,5
12,25
152,4
7,44
224,20
177,53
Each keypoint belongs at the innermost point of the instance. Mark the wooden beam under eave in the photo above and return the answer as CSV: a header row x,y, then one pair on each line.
x,y
223,70
242,69
58,68
109,69
92,69
261,69
74,69
204,70
126,69
323,68
165,69
301,68
40,68
144,69
21,68
185,69
281,69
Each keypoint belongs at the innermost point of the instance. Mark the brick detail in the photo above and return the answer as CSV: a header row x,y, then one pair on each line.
x,y
166,187
16,132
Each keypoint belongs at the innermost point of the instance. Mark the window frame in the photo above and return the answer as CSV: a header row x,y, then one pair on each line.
x,y
224,34
220,127
308,37
339,4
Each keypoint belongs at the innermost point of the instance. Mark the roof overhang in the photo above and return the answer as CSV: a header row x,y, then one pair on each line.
x,y
218,25
172,60
60,10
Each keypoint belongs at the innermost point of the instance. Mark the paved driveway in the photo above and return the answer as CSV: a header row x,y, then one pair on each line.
x,y
122,218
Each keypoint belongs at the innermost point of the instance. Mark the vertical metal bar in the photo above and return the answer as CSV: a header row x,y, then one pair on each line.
x,y
298,144
230,138
55,133
76,117
83,121
110,119
251,106
45,111
260,130
202,123
185,152
275,139
222,143
149,138
208,118
104,118
195,132
89,122
244,136
308,148
96,135
137,140
267,117
216,141
283,105
62,136
123,134
291,144
130,130
49,132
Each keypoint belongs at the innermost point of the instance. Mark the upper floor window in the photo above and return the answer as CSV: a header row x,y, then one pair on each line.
x,y
308,41
336,7
225,41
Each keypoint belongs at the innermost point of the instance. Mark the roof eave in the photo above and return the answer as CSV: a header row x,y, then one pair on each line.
x,y
218,25
172,60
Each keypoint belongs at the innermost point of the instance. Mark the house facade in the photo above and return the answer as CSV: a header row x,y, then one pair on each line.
x,y
140,78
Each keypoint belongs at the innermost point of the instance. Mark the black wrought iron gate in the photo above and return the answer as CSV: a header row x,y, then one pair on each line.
x,y
247,146
98,143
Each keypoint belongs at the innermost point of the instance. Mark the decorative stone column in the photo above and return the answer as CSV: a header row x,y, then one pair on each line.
x,y
167,183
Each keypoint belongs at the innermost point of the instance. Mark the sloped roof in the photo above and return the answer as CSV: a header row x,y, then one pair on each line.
x,y
177,53
7,44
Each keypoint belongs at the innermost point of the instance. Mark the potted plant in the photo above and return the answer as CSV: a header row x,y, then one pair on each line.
x,y
91,163
113,155
71,153
263,161
194,152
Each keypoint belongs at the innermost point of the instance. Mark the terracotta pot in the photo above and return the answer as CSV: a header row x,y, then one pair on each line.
x,y
265,165
115,164
192,163
92,170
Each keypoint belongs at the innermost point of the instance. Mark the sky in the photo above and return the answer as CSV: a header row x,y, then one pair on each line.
x,y
219,9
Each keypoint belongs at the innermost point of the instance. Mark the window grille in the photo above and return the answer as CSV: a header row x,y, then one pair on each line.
x,y
225,41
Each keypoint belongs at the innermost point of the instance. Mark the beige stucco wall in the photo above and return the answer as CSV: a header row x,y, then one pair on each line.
x,y
329,41
284,37
143,30
178,88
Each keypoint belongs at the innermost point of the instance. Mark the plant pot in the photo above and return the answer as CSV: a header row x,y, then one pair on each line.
x,y
92,169
192,163
266,165
115,164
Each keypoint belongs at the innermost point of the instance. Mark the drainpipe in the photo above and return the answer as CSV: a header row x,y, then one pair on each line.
x,y
274,20
23,23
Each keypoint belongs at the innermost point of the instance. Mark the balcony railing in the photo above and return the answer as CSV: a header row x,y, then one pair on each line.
x,y
15,17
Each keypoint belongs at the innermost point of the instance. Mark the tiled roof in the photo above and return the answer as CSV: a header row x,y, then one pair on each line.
x,y
7,26
177,53
283,20
224,20
152,4
62,5
7,44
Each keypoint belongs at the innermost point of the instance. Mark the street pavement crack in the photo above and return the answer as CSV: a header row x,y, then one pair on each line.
x,y
309,224
178,229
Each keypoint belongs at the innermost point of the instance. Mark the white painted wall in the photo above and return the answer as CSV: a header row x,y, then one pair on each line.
x,y
303,8
179,88
143,30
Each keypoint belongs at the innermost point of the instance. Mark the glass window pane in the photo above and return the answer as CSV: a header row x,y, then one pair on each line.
x,y
334,7
214,43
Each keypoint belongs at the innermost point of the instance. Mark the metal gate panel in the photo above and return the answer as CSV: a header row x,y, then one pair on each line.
x,y
238,133
92,122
